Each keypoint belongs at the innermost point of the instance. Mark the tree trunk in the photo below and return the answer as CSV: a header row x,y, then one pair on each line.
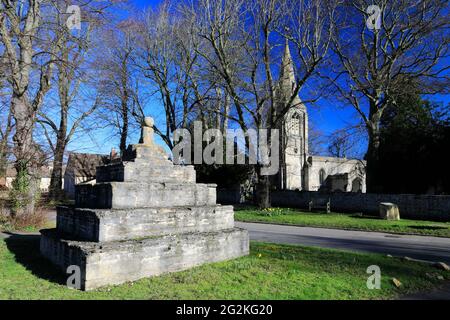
x,y
3,154
373,160
124,130
4,148
263,191
124,105
373,184
55,192
226,111
26,155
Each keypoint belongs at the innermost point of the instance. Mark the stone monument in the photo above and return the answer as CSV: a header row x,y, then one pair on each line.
x,y
144,217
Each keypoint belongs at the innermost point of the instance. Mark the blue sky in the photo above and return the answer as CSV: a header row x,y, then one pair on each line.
x,y
325,115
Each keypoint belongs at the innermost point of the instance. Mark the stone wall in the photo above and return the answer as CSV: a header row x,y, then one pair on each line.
x,y
229,196
427,207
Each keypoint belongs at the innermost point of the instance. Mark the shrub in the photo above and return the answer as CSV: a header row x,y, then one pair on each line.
x,y
9,222
5,219
19,194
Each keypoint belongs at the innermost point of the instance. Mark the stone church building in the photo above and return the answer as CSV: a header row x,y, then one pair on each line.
x,y
299,169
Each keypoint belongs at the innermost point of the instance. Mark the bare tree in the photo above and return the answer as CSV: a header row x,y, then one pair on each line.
x,y
75,79
20,34
168,59
31,32
119,80
316,140
241,39
343,143
373,58
70,78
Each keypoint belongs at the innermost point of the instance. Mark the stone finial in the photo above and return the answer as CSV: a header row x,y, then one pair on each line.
x,y
149,122
147,131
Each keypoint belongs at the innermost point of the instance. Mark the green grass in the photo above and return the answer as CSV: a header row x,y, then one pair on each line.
x,y
270,272
343,221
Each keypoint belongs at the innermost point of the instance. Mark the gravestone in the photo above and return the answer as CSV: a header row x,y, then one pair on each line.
x,y
389,211
144,217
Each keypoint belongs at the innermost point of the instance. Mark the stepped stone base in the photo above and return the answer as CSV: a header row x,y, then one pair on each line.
x,y
124,195
144,216
117,262
110,225
140,170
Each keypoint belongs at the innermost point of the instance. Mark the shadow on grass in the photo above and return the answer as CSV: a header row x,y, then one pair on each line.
x,y
25,249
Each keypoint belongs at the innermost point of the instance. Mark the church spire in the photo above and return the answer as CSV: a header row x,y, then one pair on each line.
x,y
287,74
287,80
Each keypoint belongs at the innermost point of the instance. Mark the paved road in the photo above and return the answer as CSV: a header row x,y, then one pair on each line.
x,y
416,247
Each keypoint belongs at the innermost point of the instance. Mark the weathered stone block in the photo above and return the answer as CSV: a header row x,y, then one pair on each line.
x,y
111,225
145,172
118,262
151,154
389,211
124,195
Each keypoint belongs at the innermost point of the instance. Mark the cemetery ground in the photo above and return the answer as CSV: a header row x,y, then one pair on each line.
x,y
271,271
346,221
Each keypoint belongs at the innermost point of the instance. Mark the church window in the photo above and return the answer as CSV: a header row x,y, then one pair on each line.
x,y
322,176
295,124
357,185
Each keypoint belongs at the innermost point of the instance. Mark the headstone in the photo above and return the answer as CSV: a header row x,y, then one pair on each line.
x,y
144,217
389,211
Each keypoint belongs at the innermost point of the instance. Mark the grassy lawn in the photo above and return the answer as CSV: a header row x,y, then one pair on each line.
x,y
343,221
270,272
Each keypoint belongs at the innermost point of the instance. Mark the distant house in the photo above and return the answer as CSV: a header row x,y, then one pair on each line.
x,y
81,168
11,173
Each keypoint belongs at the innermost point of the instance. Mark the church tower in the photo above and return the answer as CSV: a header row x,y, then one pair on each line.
x,y
293,129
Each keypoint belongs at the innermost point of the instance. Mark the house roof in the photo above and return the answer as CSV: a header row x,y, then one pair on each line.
x,y
85,164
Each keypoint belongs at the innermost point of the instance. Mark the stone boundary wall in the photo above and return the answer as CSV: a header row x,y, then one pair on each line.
x,y
411,206
229,196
